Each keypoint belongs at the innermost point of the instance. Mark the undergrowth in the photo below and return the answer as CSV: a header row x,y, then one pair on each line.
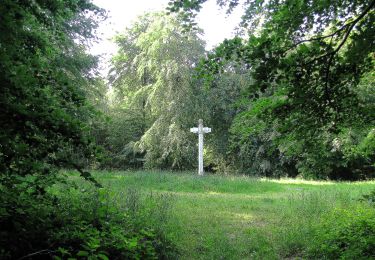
x,y
79,221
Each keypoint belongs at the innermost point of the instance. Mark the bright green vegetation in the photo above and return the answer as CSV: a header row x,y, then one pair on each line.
x,y
219,217
303,109
293,97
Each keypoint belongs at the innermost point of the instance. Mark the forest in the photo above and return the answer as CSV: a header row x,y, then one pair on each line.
x,y
291,104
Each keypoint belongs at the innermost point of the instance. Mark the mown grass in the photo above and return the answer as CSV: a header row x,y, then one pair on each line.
x,y
221,217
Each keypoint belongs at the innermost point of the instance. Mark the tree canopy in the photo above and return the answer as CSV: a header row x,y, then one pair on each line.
x,y
309,62
44,115
44,74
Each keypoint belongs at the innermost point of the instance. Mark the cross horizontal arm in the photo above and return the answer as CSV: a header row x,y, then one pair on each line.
x,y
206,130
194,130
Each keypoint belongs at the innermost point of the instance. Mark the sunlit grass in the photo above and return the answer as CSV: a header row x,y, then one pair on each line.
x,y
219,217
298,181
314,182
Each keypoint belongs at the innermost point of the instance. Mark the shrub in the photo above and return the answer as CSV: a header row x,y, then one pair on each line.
x,y
82,222
345,234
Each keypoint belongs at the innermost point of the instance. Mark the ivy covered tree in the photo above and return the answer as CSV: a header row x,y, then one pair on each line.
x,y
311,63
153,80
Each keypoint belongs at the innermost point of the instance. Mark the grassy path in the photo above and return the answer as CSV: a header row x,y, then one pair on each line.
x,y
216,217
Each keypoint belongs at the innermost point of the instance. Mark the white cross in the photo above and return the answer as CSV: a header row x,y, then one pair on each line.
x,y
200,130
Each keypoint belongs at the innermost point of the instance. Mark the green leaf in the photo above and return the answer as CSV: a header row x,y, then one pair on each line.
x,y
103,257
83,253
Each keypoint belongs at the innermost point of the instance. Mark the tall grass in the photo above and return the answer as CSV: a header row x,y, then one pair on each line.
x,y
218,217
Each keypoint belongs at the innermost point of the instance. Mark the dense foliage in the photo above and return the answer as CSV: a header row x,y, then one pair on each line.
x,y
73,221
44,74
308,108
345,234
156,98
43,109
47,116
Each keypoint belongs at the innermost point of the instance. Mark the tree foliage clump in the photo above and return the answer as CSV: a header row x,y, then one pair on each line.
x,y
309,103
44,74
47,117
156,92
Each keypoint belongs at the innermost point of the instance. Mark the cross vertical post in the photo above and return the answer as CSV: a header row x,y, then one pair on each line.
x,y
200,147
200,130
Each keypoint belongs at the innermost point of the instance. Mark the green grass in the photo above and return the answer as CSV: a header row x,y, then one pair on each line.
x,y
219,217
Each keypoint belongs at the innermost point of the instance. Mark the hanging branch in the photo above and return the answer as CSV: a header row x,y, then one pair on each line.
x,y
321,37
349,29
86,175
333,53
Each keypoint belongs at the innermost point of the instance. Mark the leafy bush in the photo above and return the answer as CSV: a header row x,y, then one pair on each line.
x,y
83,222
345,234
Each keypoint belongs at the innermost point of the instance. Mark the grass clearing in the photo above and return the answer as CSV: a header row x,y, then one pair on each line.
x,y
220,217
